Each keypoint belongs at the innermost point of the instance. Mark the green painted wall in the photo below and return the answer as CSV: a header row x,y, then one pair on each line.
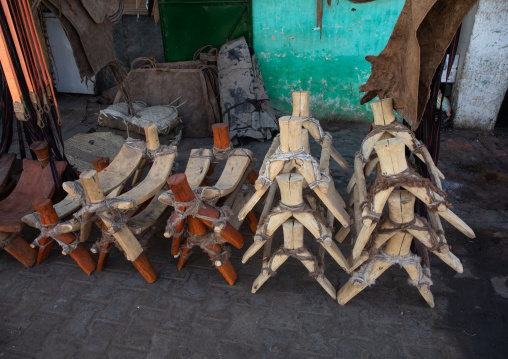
x,y
293,58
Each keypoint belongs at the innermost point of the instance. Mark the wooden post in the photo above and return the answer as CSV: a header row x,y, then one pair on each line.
x,y
104,255
152,136
124,236
383,111
183,193
100,163
221,141
49,218
196,227
19,249
41,150
301,101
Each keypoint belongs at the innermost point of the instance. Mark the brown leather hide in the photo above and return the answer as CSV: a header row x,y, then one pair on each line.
x,y
91,43
35,182
404,69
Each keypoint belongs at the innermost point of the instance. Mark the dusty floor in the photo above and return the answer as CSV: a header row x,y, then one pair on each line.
x,y
54,310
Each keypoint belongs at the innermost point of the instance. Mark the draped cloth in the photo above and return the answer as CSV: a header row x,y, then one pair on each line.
x,y
404,69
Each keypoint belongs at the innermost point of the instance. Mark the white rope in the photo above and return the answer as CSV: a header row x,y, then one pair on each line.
x,y
300,154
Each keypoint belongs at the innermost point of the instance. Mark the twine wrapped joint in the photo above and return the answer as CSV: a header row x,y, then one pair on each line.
x,y
191,208
150,154
51,231
297,254
301,155
362,275
107,210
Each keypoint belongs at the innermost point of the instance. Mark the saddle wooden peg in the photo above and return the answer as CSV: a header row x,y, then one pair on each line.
x,y
221,147
301,101
100,163
69,242
221,143
383,111
124,237
41,150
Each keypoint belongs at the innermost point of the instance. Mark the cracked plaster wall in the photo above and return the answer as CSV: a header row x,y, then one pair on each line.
x,y
483,79
293,58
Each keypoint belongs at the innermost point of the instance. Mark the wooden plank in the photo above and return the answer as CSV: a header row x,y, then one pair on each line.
x,y
237,163
153,182
148,216
197,166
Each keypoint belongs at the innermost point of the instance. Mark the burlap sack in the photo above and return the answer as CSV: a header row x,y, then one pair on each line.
x,y
189,85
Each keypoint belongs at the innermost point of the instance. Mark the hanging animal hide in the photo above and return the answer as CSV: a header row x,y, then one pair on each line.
x,y
91,43
100,9
404,69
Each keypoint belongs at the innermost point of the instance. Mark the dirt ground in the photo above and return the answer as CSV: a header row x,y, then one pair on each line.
x,y
54,310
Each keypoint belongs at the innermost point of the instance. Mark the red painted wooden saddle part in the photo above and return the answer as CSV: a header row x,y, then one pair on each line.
x,y
35,182
49,218
183,193
197,227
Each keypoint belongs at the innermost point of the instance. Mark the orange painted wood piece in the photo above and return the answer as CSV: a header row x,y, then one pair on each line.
x,y
49,218
221,136
34,182
195,227
252,177
143,265
104,256
41,150
21,250
183,193
221,141
208,174
252,221
100,163
45,245
183,257
229,233
6,162
226,269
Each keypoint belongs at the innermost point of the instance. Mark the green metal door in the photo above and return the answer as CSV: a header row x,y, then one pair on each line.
x,y
190,25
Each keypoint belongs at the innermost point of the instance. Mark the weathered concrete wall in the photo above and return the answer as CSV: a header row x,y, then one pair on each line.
x,y
483,78
293,58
